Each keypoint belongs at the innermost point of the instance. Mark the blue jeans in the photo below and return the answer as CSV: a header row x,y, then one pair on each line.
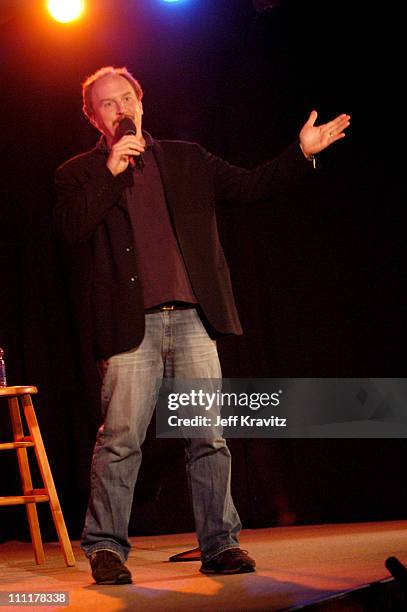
x,y
177,345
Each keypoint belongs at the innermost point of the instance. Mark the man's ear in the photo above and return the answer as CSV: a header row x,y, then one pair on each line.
x,y
94,122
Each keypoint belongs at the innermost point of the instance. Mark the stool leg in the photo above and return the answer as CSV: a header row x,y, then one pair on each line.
x,y
48,480
26,481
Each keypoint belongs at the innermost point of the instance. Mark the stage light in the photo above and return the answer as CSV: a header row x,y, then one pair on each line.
x,y
65,10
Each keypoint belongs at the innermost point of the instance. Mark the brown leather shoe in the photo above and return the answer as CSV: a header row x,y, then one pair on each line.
x,y
230,561
107,568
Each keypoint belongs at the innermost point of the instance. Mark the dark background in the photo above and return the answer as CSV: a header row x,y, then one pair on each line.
x,y
319,274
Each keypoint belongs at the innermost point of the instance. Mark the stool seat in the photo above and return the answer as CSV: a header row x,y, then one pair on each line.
x,y
20,397
14,391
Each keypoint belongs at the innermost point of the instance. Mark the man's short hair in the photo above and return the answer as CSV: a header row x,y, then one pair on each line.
x,y
87,86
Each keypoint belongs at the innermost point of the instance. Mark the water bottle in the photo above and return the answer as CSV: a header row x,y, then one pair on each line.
x,y
3,379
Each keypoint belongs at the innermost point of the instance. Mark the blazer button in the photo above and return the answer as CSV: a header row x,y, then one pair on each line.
x,y
134,278
128,249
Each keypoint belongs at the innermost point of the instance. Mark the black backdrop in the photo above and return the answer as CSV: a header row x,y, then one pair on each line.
x,y
319,275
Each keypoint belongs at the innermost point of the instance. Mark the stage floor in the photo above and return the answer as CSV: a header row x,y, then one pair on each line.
x,y
296,567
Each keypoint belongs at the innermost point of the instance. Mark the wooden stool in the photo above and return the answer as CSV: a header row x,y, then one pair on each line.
x,y
31,496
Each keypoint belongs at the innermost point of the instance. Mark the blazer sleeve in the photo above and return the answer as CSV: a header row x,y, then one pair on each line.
x,y
239,185
85,194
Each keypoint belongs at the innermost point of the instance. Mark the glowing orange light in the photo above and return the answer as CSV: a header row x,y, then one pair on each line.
x,y
66,10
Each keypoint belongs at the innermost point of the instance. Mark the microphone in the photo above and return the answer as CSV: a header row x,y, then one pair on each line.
x,y
127,126
398,571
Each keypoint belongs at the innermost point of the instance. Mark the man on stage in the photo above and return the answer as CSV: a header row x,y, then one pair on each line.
x,y
140,217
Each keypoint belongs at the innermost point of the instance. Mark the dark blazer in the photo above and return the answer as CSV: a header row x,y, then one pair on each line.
x,y
91,215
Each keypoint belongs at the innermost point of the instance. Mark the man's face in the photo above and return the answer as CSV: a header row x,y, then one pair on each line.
x,y
113,98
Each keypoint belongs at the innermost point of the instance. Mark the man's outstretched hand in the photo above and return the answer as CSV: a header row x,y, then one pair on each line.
x,y
315,138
